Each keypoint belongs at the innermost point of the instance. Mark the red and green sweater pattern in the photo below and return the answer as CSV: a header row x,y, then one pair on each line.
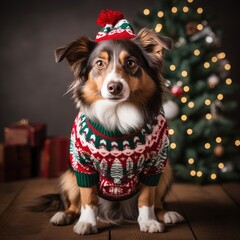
x,y
117,163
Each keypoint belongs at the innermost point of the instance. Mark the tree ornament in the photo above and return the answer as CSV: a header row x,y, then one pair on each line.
x,y
213,80
181,41
171,109
215,108
218,150
167,83
206,31
209,39
191,28
221,67
228,167
176,90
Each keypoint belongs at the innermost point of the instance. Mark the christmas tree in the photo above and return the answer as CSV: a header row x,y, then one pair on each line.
x,y
204,145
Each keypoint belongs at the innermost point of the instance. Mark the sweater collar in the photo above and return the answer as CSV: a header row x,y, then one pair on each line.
x,y
98,129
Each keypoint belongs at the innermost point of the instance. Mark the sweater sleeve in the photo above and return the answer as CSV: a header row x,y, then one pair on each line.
x,y
155,165
81,161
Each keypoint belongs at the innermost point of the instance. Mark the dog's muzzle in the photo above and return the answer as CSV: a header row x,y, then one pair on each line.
x,y
115,88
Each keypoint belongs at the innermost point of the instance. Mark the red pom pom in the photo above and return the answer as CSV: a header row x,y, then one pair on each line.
x,y
109,17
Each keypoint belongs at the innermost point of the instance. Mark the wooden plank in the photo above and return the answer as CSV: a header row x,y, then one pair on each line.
x,y
210,211
233,190
132,232
66,232
210,214
18,223
8,191
179,231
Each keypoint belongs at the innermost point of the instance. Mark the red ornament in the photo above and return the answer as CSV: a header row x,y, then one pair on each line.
x,y
218,150
109,17
176,90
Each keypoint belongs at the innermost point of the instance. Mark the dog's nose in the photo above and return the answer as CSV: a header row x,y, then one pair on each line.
x,y
114,87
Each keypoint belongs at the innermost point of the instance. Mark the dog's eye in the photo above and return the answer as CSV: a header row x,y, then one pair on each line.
x,y
100,64
131,64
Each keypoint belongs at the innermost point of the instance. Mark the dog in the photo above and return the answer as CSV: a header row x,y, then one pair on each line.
x,y
119,139
118,150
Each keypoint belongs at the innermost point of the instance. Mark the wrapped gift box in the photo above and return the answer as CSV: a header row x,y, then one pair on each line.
x,y
15,162
54,157
25,133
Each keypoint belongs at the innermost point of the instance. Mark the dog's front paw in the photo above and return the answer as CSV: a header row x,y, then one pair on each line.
x,y
173,217
61,218
151,226
84,228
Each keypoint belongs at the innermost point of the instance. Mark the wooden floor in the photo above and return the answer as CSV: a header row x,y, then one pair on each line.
x,y
211,212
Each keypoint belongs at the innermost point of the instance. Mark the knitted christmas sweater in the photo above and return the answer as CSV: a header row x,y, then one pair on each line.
x,y
117,163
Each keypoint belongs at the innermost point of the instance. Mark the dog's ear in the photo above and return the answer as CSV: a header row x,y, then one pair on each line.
x,y
153,44
75,50
76,54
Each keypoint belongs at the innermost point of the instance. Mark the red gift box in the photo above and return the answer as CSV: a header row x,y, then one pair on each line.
x,y
15,162
54,157
25,133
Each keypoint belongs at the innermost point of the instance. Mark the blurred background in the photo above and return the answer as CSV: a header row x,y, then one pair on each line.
x,y
32,85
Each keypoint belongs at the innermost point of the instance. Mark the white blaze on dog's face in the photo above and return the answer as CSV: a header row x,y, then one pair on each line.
x,y
113,86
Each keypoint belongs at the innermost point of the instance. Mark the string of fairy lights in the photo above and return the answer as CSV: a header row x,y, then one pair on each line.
x,y
186,89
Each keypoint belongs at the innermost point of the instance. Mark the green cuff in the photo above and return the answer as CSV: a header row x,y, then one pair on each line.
x,y
150,180
86,180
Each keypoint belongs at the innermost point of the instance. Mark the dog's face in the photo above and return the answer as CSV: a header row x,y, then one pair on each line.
x,y
118,71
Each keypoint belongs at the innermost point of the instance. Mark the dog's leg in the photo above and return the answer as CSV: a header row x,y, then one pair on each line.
x,y
146,218
170,217
162,190
70,191
87,222
65,217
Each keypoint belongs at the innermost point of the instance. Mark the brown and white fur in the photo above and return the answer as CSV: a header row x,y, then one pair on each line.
x,y
118,83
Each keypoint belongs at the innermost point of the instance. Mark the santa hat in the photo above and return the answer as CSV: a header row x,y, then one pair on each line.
x,y
114,26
